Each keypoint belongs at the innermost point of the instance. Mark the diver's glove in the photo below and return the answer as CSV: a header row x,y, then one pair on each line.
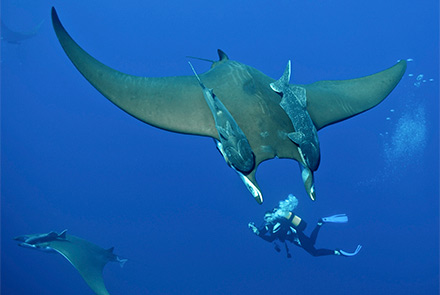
x,y
252,226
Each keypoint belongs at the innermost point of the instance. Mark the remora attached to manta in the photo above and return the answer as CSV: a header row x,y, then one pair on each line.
x,y
177,104
88,258
232,143
305,136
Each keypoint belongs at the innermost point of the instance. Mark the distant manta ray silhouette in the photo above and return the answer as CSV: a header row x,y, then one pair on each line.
x,y
240,107
14,37
88,258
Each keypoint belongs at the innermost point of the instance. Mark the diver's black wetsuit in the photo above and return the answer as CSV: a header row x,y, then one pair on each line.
x,y
283,229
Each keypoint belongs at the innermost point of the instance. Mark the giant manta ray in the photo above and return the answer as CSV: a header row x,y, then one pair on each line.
x,y
251,116
89,259
14,37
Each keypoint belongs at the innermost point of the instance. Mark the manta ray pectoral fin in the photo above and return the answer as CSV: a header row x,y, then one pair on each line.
x,y
329,102
281,84
88,259
170,103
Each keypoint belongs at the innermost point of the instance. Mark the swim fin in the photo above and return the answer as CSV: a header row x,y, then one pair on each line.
x,y
338,218
347,254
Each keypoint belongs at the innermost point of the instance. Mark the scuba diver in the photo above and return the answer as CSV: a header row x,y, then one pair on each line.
x,y
283,225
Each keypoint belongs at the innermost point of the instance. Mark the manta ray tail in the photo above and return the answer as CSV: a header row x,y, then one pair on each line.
x,y
200,58
221,55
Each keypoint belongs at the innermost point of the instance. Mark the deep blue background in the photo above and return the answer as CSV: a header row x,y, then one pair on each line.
x,y
168,202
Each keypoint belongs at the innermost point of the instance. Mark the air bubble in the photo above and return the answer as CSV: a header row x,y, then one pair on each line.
x,y
418,80
409,137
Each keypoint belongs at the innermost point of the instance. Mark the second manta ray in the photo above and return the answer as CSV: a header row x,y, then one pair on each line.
x,y
88,258
177,104
13,37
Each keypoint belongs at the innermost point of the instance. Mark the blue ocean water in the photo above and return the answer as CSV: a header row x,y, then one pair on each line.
x,y
168,202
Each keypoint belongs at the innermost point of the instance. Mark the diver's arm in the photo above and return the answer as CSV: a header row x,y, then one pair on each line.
x,y
267,238
262,231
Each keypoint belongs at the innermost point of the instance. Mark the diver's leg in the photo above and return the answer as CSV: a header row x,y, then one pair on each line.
x,y
324,252
287,250
276,247
315,232
309,245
